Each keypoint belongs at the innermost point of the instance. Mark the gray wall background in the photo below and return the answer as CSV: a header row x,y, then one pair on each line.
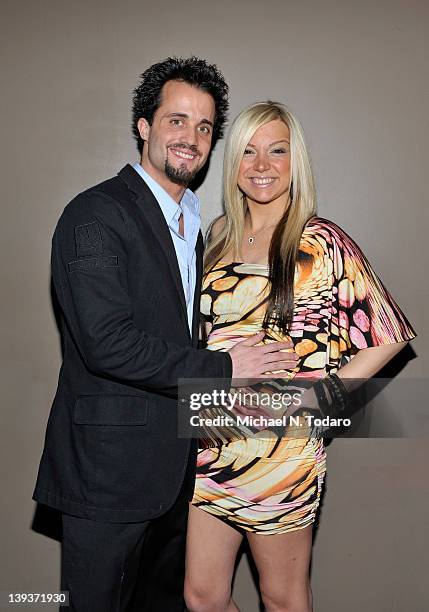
x,y
355,73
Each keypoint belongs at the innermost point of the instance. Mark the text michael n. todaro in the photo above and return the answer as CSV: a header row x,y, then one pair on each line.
x,y
261,421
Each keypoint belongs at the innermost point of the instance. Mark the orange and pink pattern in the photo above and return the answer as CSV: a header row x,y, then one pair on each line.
x,y
268,484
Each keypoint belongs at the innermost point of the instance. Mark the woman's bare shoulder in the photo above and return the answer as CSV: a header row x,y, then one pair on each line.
x,y
217,226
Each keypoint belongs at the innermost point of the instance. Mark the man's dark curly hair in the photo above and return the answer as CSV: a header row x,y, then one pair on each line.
x,y
192,70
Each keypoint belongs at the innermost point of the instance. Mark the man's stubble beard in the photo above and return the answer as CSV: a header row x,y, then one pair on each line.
x,y
180,176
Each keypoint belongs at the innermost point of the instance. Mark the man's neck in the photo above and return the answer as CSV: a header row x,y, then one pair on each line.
x,y
173,189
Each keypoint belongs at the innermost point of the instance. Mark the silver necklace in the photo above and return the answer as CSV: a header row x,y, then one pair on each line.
x,y
251,239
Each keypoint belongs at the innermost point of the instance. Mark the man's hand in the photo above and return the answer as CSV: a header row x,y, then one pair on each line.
x,y
252,362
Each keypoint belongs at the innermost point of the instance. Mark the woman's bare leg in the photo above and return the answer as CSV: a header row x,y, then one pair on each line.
x,y
283,563
211,550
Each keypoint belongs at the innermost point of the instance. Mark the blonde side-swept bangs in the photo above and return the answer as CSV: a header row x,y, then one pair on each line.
x,y
302,200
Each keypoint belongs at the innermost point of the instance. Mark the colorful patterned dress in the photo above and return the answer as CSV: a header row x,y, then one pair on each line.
x,y
266,484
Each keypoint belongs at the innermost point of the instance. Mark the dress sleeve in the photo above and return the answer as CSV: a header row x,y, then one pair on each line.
x,y
365,312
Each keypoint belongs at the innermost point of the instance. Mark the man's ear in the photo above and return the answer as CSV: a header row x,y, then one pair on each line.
x,y
143,128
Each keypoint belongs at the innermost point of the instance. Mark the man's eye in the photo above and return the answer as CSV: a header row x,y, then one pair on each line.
x,y
204,129
177,122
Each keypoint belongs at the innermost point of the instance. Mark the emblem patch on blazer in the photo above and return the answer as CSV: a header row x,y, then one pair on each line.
x,y
88,239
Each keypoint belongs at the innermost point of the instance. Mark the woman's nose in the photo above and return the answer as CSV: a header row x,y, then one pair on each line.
x,y
261,163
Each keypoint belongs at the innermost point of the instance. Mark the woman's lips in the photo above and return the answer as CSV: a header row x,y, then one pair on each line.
x,y
262,182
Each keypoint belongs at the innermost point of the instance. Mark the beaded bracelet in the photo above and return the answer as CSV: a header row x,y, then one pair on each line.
x,y
341,390
344,391
339,393
323,403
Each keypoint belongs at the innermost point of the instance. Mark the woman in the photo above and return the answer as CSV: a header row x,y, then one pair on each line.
x,y
321,293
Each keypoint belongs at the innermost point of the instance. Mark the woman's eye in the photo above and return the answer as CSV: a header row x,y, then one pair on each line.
x,y
248,151
280,150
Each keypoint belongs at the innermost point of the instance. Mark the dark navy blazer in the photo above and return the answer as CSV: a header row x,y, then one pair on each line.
x,y
112,452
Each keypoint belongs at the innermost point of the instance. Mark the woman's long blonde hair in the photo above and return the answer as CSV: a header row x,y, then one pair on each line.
x,y
301,206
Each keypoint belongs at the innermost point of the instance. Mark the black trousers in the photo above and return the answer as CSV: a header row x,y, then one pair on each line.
x,y
127,567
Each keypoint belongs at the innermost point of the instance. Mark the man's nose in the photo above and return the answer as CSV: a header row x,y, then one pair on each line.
x,y
190,135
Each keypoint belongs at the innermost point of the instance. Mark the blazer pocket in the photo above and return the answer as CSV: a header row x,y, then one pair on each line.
x,y
109,261
111,410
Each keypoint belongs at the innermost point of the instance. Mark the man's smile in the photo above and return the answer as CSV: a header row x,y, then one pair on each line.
x,y
183,154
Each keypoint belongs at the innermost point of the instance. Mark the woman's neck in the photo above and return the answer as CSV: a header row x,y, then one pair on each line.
x,y
260,216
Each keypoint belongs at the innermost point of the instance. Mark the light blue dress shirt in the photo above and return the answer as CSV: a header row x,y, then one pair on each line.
x,y
184,245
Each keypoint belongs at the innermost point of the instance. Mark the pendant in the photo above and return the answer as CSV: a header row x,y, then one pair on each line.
x,y
251,240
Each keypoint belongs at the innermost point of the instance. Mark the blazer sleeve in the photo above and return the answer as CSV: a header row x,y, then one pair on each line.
x,y
89,269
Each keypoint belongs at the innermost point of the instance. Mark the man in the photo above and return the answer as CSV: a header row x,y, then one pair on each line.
x,y
126,267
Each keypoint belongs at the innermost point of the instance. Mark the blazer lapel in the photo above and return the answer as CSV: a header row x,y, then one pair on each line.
x,y
197,295
153,213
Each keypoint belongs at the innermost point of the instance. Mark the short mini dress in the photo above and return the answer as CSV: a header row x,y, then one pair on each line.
x,y
271,484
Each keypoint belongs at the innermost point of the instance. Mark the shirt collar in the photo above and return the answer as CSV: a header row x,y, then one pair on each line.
x,y
170,208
